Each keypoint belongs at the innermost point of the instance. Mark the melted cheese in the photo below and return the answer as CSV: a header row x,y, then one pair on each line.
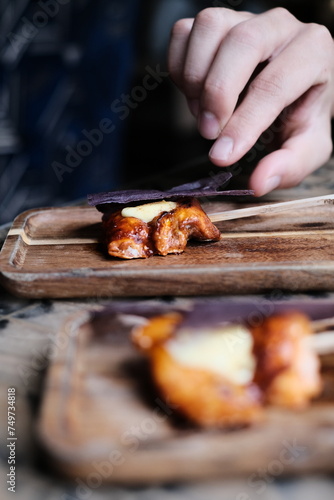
x,y
226,351
147,212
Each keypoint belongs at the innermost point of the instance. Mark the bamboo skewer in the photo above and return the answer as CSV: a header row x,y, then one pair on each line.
x,y
322,342
271,208
238,213
320,325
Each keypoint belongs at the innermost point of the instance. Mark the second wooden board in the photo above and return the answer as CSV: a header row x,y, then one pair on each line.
x,y
101,415
56,253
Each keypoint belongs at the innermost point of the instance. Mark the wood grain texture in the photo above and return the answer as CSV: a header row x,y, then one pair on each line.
x,y
100,411
56,253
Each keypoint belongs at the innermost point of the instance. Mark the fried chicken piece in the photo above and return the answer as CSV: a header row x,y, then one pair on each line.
x,y
288,370
127,237
206,375
157,228
222,376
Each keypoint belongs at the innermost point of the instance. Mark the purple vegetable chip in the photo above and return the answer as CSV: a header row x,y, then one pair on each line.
x,y
203,187
213,182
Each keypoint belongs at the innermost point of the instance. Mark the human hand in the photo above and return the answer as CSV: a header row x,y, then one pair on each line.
x,y
241,73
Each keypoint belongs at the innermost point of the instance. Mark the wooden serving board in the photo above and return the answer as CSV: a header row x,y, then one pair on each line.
x,y
101,418
55,253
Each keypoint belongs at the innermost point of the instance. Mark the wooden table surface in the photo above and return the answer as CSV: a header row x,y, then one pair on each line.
x,y
27,330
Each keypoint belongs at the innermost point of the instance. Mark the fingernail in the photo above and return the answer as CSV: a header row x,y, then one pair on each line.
x,y
222,148
271,183
208,125
194,107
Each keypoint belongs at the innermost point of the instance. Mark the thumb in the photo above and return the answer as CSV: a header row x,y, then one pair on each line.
x,y
299,155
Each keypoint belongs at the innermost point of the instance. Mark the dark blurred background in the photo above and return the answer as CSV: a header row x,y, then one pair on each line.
x,y
85,104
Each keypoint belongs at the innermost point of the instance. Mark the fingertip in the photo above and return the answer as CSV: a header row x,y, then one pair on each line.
x,y
269,173
221,151
208,125
267,185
